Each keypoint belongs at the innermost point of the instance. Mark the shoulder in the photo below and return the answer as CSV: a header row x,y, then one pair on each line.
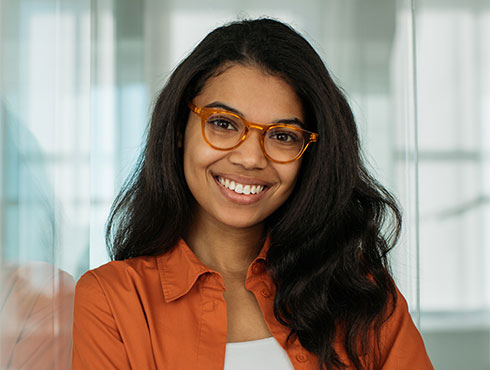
x,y
117,278
400,314
121,271
401,341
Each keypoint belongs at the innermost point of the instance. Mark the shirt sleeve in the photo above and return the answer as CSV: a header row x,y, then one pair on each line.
x,y
97,343
403,345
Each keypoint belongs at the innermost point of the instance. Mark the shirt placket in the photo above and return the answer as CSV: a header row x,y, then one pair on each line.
x,y
213,327
260,284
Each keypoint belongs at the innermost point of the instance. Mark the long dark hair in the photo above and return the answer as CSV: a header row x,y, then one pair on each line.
x,y
329,241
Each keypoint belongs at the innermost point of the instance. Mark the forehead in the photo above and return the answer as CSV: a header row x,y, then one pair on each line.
x,y
251,90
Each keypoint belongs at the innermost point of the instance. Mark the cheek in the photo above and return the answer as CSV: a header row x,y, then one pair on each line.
x,y
191,158
198,156
193,165
192,148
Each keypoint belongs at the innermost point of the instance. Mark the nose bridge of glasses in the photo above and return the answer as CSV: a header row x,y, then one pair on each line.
x,y
261,128
250,151
248,134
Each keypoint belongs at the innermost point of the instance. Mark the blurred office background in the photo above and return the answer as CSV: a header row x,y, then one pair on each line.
x,y
78,78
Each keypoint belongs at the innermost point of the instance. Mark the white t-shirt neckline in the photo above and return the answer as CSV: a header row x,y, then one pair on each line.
x,y
260,354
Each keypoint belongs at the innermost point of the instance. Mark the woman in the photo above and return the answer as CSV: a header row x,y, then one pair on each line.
x,y
250,234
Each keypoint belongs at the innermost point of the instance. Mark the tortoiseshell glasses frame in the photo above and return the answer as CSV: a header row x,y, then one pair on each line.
x,y
288,153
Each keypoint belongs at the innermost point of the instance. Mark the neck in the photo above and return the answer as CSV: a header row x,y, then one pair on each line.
x,y
224,249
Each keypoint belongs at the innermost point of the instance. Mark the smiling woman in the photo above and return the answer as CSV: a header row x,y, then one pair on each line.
x,y
250,234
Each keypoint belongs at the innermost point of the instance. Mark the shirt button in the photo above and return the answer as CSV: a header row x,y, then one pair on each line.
x,y
301,358
209,306
266,293
257,268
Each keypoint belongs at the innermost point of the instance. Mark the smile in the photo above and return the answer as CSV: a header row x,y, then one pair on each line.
x,y
240,188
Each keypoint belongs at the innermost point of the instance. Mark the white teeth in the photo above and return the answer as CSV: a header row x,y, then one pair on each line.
x,y
240,188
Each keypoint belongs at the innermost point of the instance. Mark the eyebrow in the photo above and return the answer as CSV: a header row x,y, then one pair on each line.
x,y
288,121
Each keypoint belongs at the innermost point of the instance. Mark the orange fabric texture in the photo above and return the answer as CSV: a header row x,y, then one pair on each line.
x,y
168,312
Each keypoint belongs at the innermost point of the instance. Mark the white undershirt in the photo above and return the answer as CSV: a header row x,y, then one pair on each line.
x,y
261,354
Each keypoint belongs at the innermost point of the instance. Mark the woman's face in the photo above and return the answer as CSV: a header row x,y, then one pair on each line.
x,y
261,98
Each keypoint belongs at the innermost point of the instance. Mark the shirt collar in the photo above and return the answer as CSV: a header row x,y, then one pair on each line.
x,y
180,269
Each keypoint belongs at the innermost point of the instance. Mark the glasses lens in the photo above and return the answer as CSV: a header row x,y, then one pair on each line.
x,y
223,130
283,143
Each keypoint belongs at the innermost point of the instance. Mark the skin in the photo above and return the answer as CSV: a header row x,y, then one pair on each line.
x,y
228,229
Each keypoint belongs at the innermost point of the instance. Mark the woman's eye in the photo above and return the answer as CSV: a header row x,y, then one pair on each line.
x,y
221,123
284,137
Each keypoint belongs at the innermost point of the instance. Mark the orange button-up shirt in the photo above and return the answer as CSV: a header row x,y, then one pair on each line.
x,y
168,312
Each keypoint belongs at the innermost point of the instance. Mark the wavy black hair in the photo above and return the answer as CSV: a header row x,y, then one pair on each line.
x,y
329,240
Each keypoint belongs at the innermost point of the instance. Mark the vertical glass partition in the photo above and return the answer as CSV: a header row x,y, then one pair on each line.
x,y
45,58
77,81
453,90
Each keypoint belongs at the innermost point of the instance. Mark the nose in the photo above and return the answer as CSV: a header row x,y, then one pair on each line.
x,y
249,153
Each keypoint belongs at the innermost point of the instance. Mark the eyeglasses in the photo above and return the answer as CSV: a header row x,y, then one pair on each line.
x,y
281,143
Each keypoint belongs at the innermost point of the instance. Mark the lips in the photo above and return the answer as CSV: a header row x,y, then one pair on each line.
x,y
240,188
243,190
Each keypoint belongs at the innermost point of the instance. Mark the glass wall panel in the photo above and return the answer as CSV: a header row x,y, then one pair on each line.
x,y
45,60
453,87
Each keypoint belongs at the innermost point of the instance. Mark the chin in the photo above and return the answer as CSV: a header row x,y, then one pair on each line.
x,y
237,222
